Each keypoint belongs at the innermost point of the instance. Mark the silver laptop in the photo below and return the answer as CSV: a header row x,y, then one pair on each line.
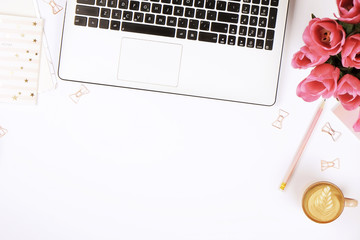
x,y
228,50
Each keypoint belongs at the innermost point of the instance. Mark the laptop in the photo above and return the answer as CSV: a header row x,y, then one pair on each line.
x,y
227,50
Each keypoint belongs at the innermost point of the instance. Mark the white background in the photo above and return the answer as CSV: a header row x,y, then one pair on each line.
x,y
133,165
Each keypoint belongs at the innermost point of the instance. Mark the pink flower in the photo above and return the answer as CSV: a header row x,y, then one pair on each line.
x,y
305,58
349,11
357,125
322,81
324,36
351,52
348,92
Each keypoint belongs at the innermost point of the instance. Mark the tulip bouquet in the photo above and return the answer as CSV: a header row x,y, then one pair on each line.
x,y
332,48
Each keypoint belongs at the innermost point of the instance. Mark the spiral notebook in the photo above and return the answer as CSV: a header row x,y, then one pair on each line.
x,y
20,50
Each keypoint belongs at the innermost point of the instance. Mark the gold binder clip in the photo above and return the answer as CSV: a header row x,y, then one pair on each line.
x,y
335,135
76,96
3,131
278,122
332,164
56,8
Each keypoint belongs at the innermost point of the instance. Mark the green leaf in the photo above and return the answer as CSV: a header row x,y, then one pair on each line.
x,y
348,27
313,16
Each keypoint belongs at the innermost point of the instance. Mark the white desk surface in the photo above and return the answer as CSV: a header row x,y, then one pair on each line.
x,y
133,165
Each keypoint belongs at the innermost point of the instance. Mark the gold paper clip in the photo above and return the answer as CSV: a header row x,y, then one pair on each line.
x,y
56,8
3,131
76,96
282,115
328,129
333,164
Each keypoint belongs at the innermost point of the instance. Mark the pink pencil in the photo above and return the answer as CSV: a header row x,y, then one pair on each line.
x,y
302,146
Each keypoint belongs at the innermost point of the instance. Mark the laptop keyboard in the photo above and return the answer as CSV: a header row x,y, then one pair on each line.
x,y
244,23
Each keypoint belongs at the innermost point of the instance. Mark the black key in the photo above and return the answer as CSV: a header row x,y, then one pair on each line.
x,y
127,15
228,17
222,39
148,29
181,33
233,29
114,25
264,11
253,21
80,21
250,42
149,18
210,4
101,3
138,17
93,22
167,9
160,19
182,22
256,1
265,2
192,35
194,24
112,3
259,44
123,4
178,11
200,13
105,12
243,31
269,44
233,7
231,40
204,25
247,1
104,23
86,10
262,22
134,5
156,8
171,21
272,18
177,2
189,12
254,10
116,14
245,9
145,7
166,1
211,15
188,3
261,33
90,2
275,3
199,3
221,5
241,41
208,37
244,19
270,34
219,27
252,32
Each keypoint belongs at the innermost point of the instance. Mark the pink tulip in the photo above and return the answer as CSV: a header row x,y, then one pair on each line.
x,y
305,58
348,92
351,52
324,36
349,11
322,81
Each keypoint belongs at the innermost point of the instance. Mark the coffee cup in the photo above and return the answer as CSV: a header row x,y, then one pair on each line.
x,y
323,202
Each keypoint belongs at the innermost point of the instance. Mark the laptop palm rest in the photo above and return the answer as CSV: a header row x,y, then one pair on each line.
x,y
149,62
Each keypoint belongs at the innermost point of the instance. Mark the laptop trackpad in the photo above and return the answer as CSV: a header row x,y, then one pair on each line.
x,y
149,62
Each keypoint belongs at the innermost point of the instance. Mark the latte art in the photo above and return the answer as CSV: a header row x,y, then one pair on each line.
x,y
323,203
